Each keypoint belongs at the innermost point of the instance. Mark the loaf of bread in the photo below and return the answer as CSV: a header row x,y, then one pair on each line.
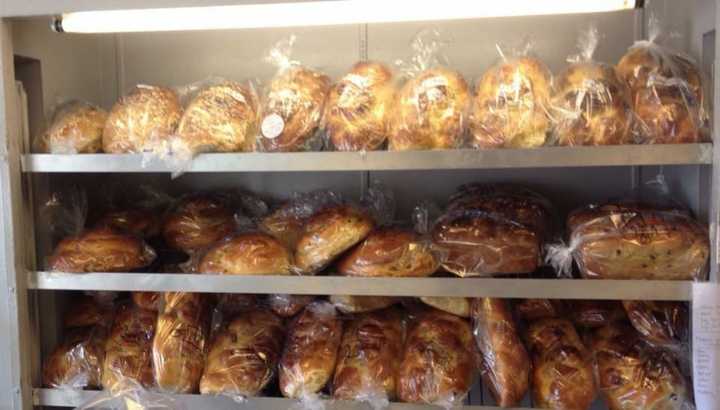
x,y
292,110
510,105
369,356
359,107
287,222
128,351
100,250
76,128
562,375
328,234
534,309
85,311
147,115
232,304
288,305
147,300
247,254
221,118
430,112
77,363
591,106
243,357
140,222
595,313
634,241
438,364
505,365
197,222
457,306
311,348
633,376
360,304
178,348
660,323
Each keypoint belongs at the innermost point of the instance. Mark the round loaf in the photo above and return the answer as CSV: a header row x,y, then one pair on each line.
x,y
357,114
457,306
221,118
129,349
198,222
510,105
141,222
660,323
76,128
361,304
288,305
147,114
247,254
78,362
430,112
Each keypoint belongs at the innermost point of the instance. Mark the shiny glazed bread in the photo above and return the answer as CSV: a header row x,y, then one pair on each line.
x,y
595,313
128,350
632,241
359,107
361,304
369,356
438,364
534,309
288,305
390,252
140,222
197,222
243,356
76,128
505,365
311,348
100,250
147,115
77,363
660,323
430,112
510,105
457,306
284,225
247,254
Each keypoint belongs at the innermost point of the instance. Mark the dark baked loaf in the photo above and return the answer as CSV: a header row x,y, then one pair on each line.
x,y
534,309
85,311
288,305
147,300
595,313
198,222
129,348
660,323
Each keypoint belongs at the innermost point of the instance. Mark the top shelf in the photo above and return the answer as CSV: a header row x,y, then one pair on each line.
x,y
547,157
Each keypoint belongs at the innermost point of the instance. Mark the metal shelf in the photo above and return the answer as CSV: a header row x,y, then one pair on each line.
x,y
338,285
547,157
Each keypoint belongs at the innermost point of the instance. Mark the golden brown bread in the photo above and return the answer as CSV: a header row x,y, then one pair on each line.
x,y
179,345
284,225
430,112
77,363
358,109
146,115
198,222
308,359
369,356
438,364
562,375
361,304
660,323
100,250
456,306
292,110
86,311
390,252
140,222
243,356
505,365
591,106
510,105
328,234
595,313
221,118
288,305
128,350
76,128
147,300
534,309
247,254
632,241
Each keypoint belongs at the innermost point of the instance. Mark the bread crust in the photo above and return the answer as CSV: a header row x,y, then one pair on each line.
x,y
247,254
197,222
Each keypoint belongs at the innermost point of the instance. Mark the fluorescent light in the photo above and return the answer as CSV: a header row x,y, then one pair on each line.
x,y
321,12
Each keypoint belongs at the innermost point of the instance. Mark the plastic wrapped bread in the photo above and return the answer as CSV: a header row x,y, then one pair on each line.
x,y
75,128
144,223
665,324
361,304
505,365
285,305
197,222
247,254
147,300
310,352
86,311
457,306
128,351
595,313
534,309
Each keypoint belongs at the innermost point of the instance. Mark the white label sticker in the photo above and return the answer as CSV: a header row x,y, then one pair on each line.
x,y
706,345
272,126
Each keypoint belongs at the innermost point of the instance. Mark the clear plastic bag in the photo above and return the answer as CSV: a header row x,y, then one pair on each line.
x,y
292,107
667,92
65,212
250,253
505,365
431,106
510,106
129,395
664,324
359,108
534,309
361,304
288,305
590,103
595,313
75,127
457,306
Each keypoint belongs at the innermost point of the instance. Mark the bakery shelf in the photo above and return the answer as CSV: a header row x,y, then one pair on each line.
x,y
338,285
623,155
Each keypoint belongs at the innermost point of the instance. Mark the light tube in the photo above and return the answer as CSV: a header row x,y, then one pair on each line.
x,y
319,13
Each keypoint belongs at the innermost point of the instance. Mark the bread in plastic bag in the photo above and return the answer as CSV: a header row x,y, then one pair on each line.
x,y
285,305
292,107
361,304
631,375
359,108
86,311
243,356
179,345
665,324
431,106
144,223
666,90
505,365
590,103
438,364
534,309
251,253
197,222
129,395
457,306
76,127
562,374
511,103
595,313
369,358
310,353
147,114
390,252
147,300
128,352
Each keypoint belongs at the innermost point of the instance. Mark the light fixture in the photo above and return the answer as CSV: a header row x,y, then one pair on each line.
x,y
320,12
